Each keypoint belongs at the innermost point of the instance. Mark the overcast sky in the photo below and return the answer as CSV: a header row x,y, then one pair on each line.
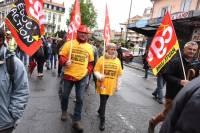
x,y
118,10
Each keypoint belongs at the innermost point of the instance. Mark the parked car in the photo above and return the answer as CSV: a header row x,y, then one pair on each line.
x,y
127,55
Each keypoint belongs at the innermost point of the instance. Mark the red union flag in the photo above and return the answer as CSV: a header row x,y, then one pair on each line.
x,y
106,32
25,21
164,45
75,21
35,9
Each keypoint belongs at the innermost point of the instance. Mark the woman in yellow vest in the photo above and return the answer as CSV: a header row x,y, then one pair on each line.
x,y
107,71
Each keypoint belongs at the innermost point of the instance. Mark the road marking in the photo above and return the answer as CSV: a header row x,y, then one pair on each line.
x,y
127,123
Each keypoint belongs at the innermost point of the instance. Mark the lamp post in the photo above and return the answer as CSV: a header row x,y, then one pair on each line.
x,y
126,45
121,35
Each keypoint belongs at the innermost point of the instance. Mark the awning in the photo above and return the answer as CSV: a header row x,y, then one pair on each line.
x,y
180,19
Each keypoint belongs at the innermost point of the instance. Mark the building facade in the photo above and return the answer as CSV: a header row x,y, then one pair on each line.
x,y
130,35
184,13
54,14
173,6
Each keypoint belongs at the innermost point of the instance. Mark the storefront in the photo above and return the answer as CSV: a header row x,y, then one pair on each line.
x,y
187,26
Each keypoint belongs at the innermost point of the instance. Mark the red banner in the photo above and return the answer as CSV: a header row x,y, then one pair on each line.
x,y
25,26
75,21
164,45
106,32
35,9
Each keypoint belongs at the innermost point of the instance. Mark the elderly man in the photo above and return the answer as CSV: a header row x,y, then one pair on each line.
x,y
13,88
77,57
174,77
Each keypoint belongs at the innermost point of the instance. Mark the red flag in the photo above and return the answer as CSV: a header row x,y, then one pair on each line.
x,y
106,32
164,45
75,21
25,23
35,9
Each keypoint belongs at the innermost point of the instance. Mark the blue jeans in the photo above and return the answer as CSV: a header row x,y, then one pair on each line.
x,y
159,90
79,89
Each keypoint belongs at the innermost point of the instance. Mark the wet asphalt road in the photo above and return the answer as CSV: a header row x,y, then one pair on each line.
x,y
127,112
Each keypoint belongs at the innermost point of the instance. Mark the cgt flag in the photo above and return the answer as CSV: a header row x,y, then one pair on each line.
x,y
75,21
26,23
106,32
164,45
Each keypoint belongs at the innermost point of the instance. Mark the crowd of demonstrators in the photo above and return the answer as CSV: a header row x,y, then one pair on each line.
x,y
14,88
107,70
76,73
175,80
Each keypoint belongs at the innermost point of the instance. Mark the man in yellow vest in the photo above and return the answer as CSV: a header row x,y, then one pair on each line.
x,y
77,57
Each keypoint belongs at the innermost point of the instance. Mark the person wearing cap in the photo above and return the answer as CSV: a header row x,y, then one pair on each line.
x,y
107,71
14,89
77,65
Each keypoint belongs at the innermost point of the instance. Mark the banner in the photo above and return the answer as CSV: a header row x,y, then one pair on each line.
x,y
106,32
75,21
164,45
25,21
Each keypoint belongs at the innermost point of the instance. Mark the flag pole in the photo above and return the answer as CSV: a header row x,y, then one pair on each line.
x,y
182,64
70,50
104,51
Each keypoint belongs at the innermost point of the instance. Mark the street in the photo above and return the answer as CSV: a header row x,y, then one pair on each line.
x,y
127,112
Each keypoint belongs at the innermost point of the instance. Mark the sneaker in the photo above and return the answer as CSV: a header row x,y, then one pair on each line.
x,y
64,116
78,126
160,101
154,95
151,126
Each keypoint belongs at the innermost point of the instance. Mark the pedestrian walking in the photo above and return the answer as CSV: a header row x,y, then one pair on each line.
x,y
145,64
107,71
76,73
120,54
158,92
14,89
174,77
54,57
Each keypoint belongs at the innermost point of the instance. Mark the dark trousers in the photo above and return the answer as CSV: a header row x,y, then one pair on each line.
x,y
59,69
9,130
102,107
79,89
40,67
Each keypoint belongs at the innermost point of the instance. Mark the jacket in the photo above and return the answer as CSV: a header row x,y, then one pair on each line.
x,y
173,74
185,114
12,100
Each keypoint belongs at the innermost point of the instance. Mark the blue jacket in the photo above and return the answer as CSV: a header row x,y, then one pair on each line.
x,y
185,114
12,100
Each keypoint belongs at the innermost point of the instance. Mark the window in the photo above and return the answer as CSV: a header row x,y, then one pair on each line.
x,y
45,5
58,28
185,5
59,18
49,16
54,8
163,11
49,6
